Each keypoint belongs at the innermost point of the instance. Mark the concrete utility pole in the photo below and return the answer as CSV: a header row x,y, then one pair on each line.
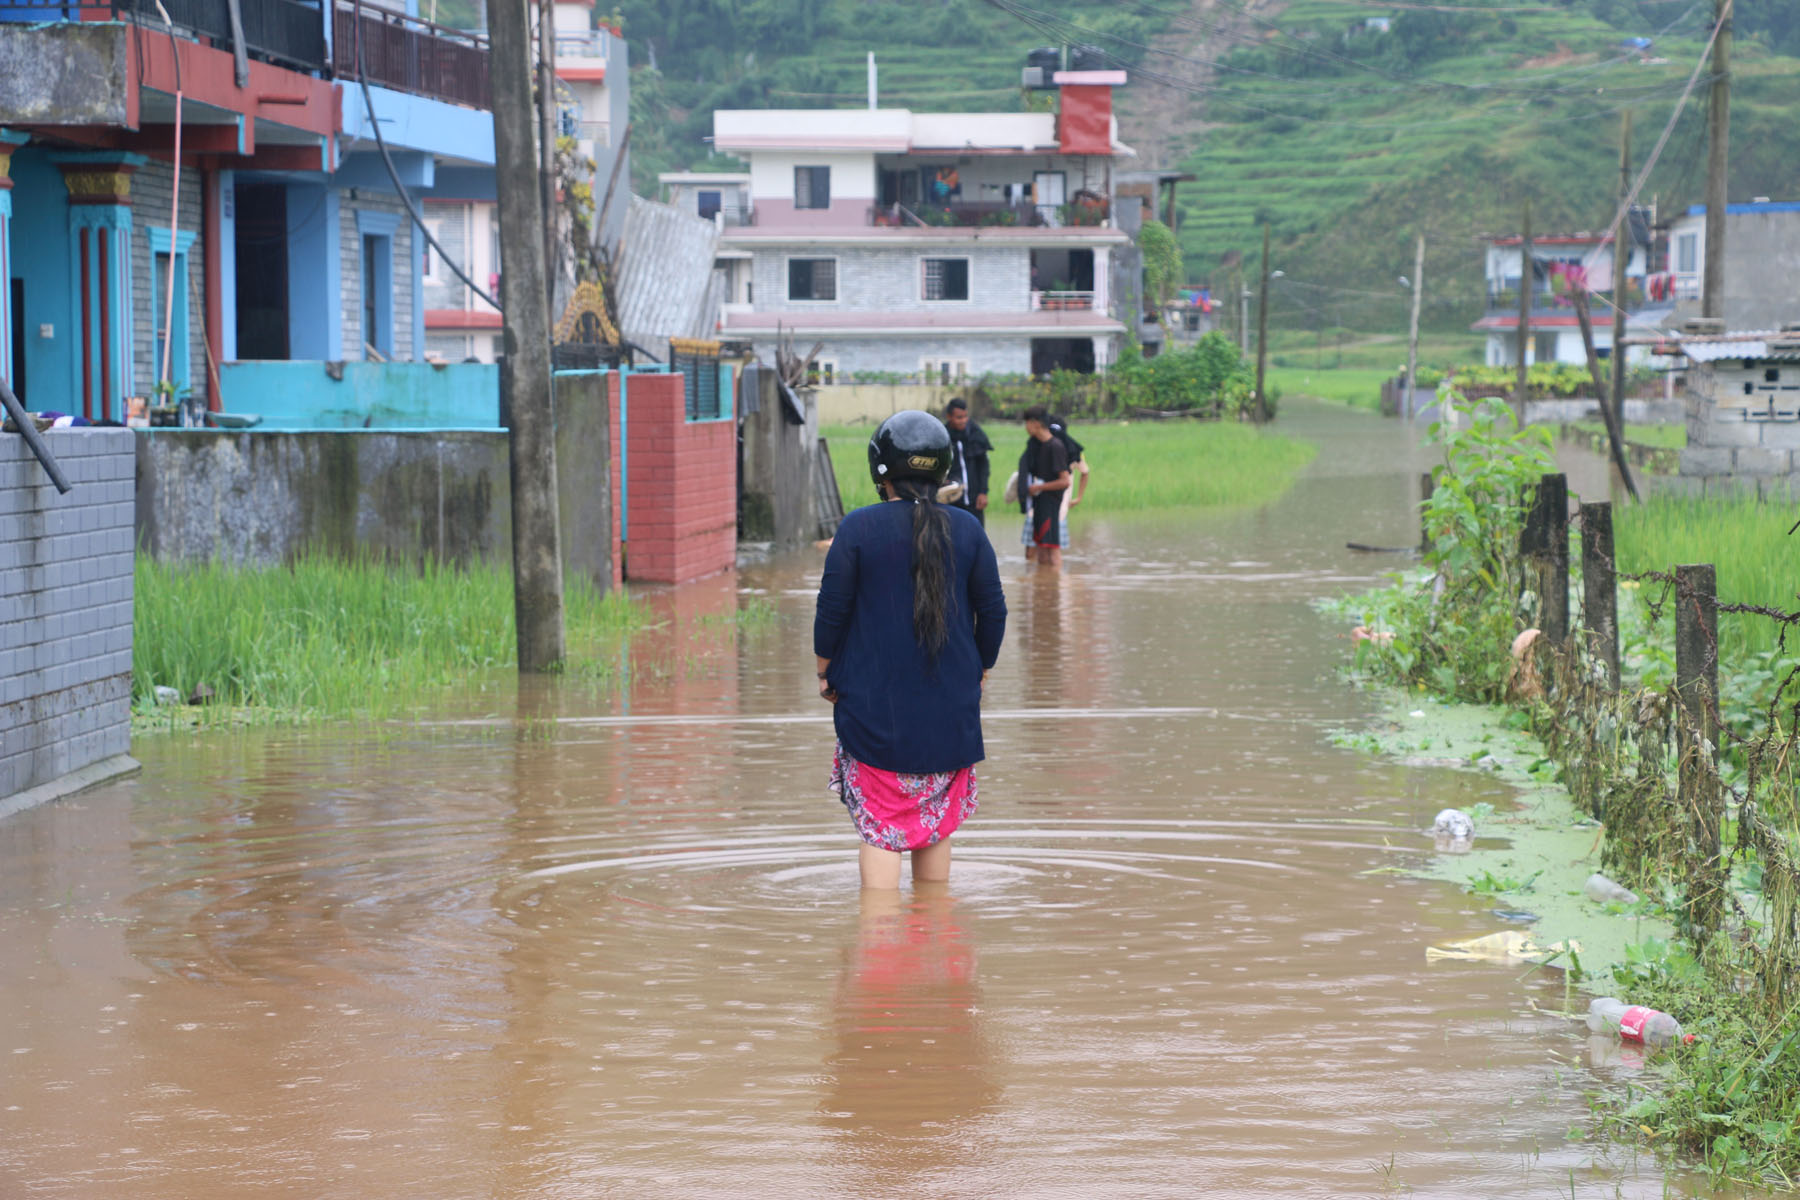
x,y
547,138
1412,330
1718,147
1525,273
537,539
1262,333
1243,314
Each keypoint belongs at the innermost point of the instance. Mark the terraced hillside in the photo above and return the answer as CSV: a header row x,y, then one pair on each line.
x,y
1347,137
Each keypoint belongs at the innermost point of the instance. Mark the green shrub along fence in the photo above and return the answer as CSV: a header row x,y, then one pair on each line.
x,y
1696,796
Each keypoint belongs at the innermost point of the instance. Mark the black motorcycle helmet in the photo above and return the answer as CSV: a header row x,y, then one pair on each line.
x,y
909,445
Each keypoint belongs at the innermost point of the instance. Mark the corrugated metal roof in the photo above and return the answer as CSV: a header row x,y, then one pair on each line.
x,y
666,286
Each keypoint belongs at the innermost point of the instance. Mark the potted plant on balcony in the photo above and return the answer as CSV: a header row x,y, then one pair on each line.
x,y
1058,295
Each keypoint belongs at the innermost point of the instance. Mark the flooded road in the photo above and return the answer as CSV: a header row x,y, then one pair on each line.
x,y
593,943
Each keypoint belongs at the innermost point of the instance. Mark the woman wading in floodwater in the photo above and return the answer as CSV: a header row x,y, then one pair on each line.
x,y
909,621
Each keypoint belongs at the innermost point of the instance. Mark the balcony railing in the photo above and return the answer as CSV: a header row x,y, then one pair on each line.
x,y
286,32
411,54
956,215
582,43
1061,300
1505,302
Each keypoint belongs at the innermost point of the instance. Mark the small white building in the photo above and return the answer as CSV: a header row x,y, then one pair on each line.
x,y
939,245
722,196
1762,263
1559,264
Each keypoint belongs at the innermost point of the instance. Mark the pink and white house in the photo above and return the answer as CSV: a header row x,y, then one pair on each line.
x,y
940,245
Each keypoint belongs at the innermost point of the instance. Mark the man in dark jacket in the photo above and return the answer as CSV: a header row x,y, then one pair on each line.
x,y
969,467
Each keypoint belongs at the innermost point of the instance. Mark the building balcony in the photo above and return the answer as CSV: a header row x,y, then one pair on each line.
x,y
957,215
1505,302
586,45
408,54
1061,301
288,33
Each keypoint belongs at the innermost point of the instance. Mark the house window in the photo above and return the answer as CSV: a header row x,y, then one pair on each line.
x,y
812,279
822,372
1687,253
944,371
167,259
709,203
946,279
376,231
430,270
812,187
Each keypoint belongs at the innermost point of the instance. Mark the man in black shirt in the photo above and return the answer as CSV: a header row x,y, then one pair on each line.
x,y
969,466
1047,468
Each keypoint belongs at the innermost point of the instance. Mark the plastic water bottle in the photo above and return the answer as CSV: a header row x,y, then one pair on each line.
x,y
1634,1022
1602,890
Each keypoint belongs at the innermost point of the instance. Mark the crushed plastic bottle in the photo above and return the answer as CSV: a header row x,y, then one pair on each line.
x,y
1602,890
1634,1022
1454,823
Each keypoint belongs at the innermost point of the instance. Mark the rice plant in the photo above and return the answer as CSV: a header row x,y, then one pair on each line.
x,y
324,637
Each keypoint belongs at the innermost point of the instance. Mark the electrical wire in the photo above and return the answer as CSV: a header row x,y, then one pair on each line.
x,y
412,208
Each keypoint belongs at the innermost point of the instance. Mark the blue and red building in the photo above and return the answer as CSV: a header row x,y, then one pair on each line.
x,y
280,228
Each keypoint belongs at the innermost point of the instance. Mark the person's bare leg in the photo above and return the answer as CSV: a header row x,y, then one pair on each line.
x,y
880,868
931,864
1053,556
1030,553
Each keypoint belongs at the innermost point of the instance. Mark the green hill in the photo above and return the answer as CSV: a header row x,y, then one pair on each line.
x,y
1346,137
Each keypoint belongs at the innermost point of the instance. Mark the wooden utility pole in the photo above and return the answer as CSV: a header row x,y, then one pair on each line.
x,y
1412,329
546,88
525,324
1525,274
1718,147
1600,588
1262,333
1614,412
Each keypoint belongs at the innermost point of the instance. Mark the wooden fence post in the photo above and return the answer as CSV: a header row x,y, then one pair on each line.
x,y
1696,640
1544,543
1426,489
1600,588
1700,797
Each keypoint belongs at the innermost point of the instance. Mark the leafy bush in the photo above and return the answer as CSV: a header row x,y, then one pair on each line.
x,y
1563,380
1453,627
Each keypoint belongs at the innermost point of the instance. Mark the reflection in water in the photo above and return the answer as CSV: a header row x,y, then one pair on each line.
x,y
910,1074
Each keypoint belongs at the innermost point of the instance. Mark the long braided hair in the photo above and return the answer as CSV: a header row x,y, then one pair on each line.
x,y
931,563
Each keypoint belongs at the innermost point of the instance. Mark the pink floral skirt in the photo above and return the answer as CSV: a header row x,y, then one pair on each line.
x,y
902,812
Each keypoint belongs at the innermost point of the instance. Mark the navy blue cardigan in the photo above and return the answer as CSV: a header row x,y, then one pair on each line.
x,y
896,709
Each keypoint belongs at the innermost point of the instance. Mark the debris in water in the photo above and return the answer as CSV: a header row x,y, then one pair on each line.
x,y
166,695
1454,822
1602,890
1507,946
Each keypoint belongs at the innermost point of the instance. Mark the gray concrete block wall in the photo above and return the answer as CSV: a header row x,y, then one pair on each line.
x,y
65,606
890,279
350,273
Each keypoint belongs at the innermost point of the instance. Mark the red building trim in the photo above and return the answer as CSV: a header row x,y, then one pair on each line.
x,y
582,74
458,318
208,76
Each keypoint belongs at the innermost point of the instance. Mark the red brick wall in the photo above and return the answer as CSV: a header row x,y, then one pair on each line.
x,y
682,480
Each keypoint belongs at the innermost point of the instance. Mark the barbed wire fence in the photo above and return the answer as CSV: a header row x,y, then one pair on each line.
x,y
1648,762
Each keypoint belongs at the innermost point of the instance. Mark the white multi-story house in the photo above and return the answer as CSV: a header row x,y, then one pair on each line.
x,y
1562,263
935,244
593,98
1762,258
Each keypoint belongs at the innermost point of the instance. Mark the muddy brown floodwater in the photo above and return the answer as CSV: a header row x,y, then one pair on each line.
x,y
593,943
